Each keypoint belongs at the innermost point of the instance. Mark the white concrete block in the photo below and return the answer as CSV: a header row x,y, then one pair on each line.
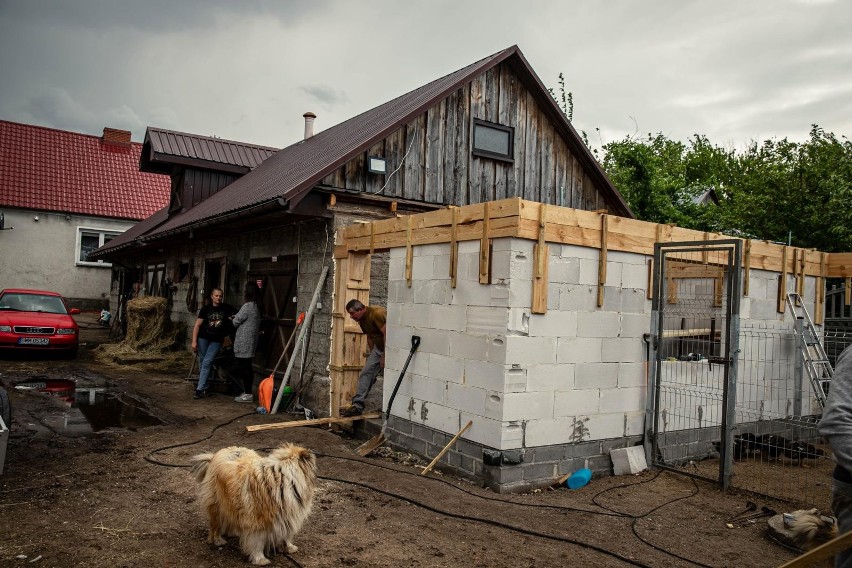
x,y
482,374
613,273
555,323
555,377
515,378
635,423
446,368
574,251
632,375
512,244
576,402
520,294
394,310
494,405
578,350
399,291
468,266
628,460
422,267
439,417
429,389
519,321
435,249
483,431
396,267
433,292
466,346
486,320
563,270
416,315
471,293
501,265
634,276
432,341
635,325
527,405
598,324
511,435
466,398
622,350
397,252
469,247
578,298
441,265
595,375
626,257
588,272
606,426
530,350
630,399
448,317
553,293
548,432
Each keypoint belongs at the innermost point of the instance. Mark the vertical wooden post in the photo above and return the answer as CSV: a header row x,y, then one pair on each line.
x,y
409,253
819,293
454,248
847,290
782,282
705,254
650,295
485,246
602,259
746,265
801,280
541,256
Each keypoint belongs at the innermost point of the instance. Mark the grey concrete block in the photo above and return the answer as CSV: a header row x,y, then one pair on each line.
x,y
540,471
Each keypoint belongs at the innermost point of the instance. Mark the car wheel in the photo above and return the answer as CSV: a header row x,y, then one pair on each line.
x,y
5,408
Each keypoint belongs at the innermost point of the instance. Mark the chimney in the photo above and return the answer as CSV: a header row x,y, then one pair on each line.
x,y
309,124
116,137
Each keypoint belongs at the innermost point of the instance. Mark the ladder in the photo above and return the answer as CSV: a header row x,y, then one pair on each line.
x,y
816,362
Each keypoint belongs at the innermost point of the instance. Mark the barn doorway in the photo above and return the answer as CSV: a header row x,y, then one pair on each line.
x,y
278,278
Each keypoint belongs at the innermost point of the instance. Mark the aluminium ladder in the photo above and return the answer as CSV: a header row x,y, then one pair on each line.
x,y
817,365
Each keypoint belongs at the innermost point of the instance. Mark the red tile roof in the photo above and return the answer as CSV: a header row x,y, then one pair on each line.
x,y
55,170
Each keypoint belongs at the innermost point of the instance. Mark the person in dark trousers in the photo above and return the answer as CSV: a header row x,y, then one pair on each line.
x,y
247,323
836,428
211,327
373,322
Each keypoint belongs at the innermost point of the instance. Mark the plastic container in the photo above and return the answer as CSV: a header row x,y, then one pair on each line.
x,y
579,478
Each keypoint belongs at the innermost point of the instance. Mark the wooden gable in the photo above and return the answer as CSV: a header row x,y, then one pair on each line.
x,y
435,162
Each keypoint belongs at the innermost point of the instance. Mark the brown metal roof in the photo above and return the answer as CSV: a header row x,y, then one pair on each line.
x,y
290,173
162,148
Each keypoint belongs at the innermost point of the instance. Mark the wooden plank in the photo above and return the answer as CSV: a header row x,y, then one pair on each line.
x,y
429,467
781,300
819,293
485,248
463,153
650,294
746,265
847,291
602,259
454,250
450,140
313,422
541,257
409,253
434,139
822,552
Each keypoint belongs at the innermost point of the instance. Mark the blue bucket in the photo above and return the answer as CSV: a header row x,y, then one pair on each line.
x,y
579,478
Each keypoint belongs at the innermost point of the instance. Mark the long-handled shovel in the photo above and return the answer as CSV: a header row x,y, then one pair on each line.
x,y
379,438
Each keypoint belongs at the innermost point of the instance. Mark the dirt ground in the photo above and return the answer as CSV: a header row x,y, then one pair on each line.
x,y
124,497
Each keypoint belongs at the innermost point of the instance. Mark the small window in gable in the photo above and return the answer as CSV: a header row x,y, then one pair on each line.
x,y
493,140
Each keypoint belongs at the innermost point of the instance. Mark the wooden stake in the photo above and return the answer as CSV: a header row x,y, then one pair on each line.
x,y
540,265
429,467
746,265
782,283
409,253
485,247
602,259
314,422
454,248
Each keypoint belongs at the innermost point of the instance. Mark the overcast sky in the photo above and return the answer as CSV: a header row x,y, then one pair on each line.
x,y
246,70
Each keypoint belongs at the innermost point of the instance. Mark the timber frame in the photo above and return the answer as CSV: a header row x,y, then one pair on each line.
x,y
515,217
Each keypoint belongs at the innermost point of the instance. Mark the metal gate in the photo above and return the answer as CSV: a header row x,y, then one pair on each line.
x,y
694,347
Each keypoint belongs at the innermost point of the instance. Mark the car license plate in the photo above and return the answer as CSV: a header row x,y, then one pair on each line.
x,y
33,341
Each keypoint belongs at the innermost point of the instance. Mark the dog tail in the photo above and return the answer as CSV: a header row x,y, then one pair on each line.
x,y
809,528
199,465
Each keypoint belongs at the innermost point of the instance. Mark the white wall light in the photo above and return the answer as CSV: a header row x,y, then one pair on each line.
x,y
376,165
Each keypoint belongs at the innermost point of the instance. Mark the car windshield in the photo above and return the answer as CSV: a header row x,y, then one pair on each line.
x,y
32,303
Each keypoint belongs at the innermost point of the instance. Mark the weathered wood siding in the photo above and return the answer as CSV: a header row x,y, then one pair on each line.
x,y
198,185
439,166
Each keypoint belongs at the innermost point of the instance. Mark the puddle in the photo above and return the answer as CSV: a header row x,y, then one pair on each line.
x,y
92,406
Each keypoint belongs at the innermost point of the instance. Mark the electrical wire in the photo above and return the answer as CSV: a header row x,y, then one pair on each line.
x,y
149,459
401,162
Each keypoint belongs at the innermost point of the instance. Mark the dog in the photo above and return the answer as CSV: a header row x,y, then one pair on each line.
x,y
264,500
809,529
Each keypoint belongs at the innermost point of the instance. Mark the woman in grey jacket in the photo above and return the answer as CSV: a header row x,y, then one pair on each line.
x,y
247,323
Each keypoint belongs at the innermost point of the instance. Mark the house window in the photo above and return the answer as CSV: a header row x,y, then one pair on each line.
x,y
493,140
88,241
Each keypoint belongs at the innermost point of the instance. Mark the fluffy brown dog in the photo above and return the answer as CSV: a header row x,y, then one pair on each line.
x,y
809,529
262,500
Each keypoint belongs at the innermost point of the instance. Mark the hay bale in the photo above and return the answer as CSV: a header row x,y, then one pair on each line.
x,y
151,336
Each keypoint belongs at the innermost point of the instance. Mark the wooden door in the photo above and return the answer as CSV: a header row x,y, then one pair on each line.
x,y
349,344
277,278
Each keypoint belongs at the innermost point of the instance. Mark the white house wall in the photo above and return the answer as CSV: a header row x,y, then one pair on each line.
x,y
574,374
42,254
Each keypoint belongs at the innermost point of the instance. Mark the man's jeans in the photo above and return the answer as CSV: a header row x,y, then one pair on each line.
x,y
841,506
207,352
368,377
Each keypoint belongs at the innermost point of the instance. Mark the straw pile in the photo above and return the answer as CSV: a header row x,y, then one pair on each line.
x,y
151,336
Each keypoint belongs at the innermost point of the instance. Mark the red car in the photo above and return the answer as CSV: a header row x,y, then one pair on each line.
x,y
36,320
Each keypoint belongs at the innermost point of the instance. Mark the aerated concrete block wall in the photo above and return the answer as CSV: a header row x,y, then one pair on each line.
x,y
546,393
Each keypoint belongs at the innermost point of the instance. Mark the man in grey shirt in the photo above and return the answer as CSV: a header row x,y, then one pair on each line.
x,y
836,427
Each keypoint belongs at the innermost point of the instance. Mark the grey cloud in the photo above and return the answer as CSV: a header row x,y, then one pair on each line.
x,y
325,95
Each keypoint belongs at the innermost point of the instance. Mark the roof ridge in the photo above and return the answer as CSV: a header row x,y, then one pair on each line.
x,y
50,128
210,138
